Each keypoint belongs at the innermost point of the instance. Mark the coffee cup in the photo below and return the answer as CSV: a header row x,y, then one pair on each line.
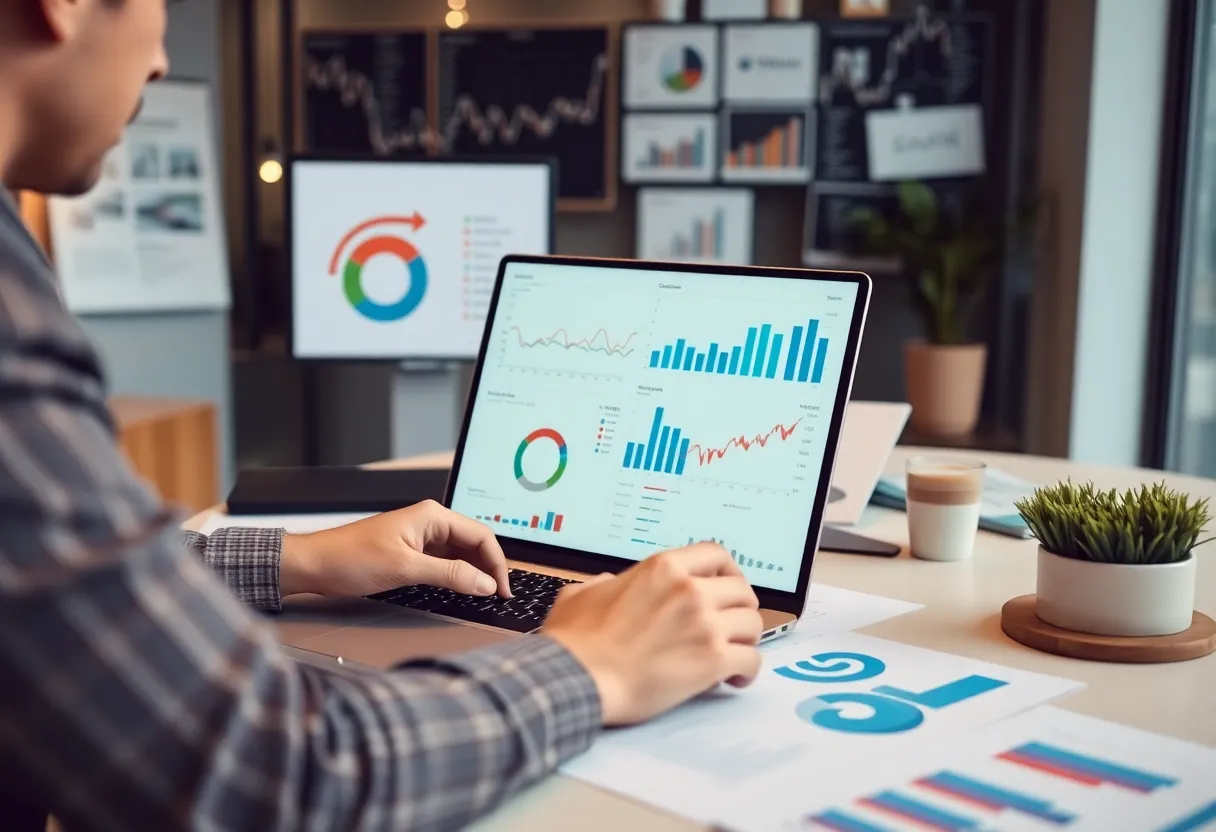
x,y
944,497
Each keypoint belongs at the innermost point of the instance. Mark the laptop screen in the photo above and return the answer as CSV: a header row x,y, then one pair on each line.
x,y
623,411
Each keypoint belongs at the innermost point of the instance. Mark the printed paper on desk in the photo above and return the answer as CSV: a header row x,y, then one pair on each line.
x,y
816,706
1048,769
830,609
925,143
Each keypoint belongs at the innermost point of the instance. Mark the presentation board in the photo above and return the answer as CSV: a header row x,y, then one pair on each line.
x,y
528,92
396,260
149,236
363,92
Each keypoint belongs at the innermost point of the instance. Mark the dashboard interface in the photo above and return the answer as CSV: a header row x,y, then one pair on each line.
x,y
626,411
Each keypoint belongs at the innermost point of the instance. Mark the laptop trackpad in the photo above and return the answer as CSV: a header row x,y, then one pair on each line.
x,y
395,638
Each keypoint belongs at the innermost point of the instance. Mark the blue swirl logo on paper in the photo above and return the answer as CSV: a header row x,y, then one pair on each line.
x,y
859,713
833,667
884,709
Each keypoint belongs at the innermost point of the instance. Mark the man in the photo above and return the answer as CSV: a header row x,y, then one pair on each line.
x,y
136,692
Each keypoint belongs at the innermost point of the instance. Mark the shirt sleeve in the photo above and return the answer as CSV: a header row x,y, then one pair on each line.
x,y
247,560
139,693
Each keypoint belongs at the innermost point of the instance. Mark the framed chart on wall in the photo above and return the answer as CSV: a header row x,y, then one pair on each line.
x,y
767,146
363,92
696,224
669,67
535,91
669,147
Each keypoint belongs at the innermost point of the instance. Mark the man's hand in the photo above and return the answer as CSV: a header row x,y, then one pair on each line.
x,y
422,544
661,632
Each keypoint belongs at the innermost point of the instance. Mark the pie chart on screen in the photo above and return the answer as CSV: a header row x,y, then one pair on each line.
x,y
681,68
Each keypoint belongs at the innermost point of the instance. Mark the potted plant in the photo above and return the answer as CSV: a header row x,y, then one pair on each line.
x,y
948,257
1115,564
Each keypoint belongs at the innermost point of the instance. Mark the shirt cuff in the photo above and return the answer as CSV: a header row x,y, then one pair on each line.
x,y
543,686
247,560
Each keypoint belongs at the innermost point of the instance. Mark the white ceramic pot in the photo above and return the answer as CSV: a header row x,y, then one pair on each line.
x,y
1115,599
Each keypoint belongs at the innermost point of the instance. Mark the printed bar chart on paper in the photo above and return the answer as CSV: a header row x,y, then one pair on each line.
x,y
668,148
704,238
702,224
680,154
665,451
549,522
1090,774
798,356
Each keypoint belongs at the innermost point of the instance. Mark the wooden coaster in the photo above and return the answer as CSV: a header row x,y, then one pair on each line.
x,y
1020,623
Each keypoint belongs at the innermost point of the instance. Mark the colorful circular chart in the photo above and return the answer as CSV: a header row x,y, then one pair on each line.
x,y
540,433
415,274
681,68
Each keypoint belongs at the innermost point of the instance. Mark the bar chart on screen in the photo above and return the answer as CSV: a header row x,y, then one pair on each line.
x,y
798,356
547,522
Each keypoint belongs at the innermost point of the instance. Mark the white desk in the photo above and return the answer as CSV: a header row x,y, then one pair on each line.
x,y
961,615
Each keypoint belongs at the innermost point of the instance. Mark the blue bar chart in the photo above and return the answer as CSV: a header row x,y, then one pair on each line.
x,y
798,356
665,450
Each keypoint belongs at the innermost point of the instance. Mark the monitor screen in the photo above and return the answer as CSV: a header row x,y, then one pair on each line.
x,y
396,260
626,411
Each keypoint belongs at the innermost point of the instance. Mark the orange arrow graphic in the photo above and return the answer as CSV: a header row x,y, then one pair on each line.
x,y
416,221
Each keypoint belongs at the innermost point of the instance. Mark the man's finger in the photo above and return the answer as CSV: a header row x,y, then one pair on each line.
x,y
741,664
454,574
729,591
472,540
705,560
740,625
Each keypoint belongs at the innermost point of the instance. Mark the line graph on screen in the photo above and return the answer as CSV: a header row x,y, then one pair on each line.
x,y
600,342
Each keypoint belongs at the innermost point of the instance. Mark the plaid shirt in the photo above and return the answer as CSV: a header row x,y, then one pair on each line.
x,y
137,692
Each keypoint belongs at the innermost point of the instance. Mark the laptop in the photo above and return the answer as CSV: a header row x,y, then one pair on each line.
x,y
621,408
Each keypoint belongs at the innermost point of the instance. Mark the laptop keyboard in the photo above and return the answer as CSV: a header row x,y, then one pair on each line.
x,y
534,597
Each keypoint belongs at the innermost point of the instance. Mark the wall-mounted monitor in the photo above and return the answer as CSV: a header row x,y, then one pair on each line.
x,y
396,260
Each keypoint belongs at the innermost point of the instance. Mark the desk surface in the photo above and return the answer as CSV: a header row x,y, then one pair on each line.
x,y
961,614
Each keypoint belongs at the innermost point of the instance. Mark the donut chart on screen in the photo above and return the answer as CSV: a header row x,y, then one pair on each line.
x,y
413,269
681,68
543,485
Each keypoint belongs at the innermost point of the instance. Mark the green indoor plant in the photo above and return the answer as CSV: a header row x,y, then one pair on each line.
x,y
1115,563
948,256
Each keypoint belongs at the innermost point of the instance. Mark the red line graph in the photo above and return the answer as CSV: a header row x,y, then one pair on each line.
x,y
356,91
705,456
493,122
561,338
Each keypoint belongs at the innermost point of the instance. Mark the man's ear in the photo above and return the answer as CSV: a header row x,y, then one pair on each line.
x,y
61,19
